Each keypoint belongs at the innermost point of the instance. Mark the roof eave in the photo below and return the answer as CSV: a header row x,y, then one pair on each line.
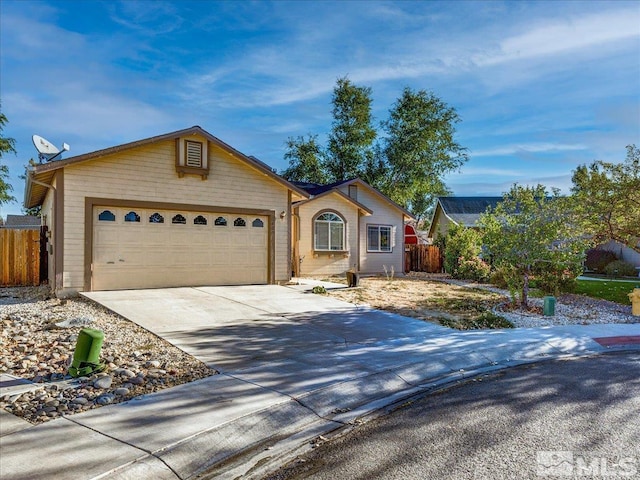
x,y
170,136
365,210
406,213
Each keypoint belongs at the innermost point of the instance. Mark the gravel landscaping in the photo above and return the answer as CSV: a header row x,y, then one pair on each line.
x,y
37,341
431,297
570,309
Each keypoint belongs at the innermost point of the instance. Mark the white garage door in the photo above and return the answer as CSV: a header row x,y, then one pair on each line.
x,y
144,248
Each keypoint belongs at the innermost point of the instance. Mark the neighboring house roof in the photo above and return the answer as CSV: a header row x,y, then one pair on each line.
x,y
21,221
463,210
316,190
43,174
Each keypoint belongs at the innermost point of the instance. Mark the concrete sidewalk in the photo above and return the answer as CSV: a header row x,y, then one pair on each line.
x,y
294,366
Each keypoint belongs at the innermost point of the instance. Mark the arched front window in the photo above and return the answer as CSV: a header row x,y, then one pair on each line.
x,y
328,232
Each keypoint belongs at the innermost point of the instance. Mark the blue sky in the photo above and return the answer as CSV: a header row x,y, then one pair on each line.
x,y
541,87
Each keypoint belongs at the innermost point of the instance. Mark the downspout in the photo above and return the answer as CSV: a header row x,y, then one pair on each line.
x,y
296,239
30,179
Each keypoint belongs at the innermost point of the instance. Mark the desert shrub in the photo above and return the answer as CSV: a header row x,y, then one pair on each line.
x,y
486,320
498,277
552,282
597,260
620,268
472,269
461,243
507,276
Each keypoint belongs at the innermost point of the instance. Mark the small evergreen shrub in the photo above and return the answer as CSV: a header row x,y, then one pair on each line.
x,y
486,320
472,269
620,268
555,282
597,260
461,243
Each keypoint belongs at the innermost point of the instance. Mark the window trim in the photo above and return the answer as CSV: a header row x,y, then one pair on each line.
x,y
344,232
379,229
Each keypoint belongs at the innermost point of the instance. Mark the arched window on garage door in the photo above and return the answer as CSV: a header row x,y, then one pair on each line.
x,y
106,216
132,217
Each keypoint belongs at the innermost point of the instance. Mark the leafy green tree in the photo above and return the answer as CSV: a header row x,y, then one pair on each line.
x,y
461,243
531,232
351,141
420,149
607,198
305,159
7,145
408,165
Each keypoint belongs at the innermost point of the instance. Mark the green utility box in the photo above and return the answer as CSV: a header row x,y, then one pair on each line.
x,y
86,358
549,308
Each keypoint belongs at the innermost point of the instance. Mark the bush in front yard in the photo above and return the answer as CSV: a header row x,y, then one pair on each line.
x,y
597,260
461,244
472,269
556,282
620,268
487,320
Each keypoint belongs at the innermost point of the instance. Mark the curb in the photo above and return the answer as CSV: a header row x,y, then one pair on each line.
x,y
278,452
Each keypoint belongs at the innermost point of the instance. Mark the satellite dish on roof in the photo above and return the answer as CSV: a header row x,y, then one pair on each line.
x,y
47,150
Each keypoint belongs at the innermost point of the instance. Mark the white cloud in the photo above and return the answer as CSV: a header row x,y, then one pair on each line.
x,y
500,187
480,171
527,148
563,36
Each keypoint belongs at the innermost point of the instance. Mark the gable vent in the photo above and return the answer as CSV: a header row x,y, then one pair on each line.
x,y
194,154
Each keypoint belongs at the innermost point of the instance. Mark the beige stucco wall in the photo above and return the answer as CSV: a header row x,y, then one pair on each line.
x,y
327,263
383,214
148,173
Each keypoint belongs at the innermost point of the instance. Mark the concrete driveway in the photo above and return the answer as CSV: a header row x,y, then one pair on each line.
x,y
281,338
293,366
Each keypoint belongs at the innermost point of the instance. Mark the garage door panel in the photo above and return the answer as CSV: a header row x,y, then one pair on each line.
x,y
155,235
106,236
145,254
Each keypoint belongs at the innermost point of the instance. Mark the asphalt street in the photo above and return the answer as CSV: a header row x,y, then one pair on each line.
x,y
560,419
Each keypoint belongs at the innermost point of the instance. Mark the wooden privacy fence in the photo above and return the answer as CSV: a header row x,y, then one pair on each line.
x,y
20,263
422,258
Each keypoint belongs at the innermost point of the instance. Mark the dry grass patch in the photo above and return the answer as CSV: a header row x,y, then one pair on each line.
x,y
424,299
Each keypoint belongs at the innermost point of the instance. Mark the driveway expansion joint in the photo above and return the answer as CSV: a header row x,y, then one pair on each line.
x,y
124,443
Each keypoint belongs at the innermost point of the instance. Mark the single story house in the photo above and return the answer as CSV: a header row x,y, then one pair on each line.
x,y
21,222
459,211
186,209
178,209
347,225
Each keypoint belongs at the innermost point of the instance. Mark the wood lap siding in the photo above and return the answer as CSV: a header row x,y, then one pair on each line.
x,y
20,257
383,214
327,263
148,174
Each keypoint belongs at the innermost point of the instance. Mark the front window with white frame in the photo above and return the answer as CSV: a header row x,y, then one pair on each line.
x,y
328,232
379,238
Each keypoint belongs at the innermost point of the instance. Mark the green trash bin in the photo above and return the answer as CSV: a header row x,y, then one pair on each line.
x,y
549,308
86,358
